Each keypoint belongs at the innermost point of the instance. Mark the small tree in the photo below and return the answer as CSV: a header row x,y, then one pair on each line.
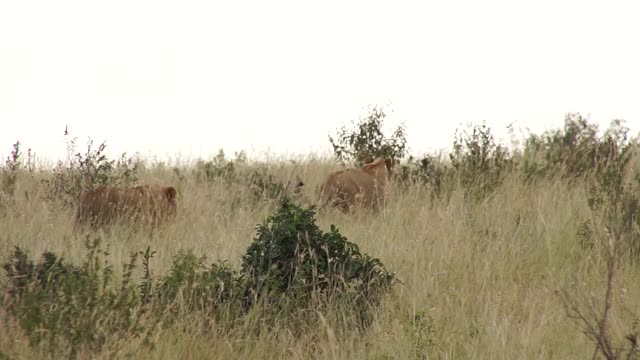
x,y
614,224
366,140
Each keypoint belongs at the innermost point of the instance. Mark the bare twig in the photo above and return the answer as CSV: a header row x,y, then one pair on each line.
x,y
603,342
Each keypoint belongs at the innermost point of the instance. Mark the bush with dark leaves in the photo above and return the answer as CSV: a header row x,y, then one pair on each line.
x,y
291,258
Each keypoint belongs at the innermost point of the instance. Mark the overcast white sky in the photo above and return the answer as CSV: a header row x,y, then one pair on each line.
x,y
188,77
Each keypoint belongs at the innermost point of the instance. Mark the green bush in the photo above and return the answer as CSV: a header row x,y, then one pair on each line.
x,y
257,186
367,140
429,171
577,151
191,286
422,334
218,168
9,172
94,167
291,259
618,206
263,185
62,304
614,231
480,164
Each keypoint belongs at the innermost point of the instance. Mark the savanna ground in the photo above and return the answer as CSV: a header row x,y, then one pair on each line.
x,y
487,270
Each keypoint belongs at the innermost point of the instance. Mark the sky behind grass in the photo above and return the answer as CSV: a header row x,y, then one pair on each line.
x,y
166,78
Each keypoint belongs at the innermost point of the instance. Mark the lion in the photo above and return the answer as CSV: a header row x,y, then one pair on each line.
x,y
142,204
365,187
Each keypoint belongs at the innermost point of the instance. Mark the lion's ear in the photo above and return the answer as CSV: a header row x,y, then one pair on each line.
x,y
170,192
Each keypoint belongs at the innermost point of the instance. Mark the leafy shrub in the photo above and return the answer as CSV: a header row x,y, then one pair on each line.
x,y
63,304
70,177
264,186
615,208
480,164
576,150
9,172
430,171
611,198
585,234
367,140
619,209
291,259
613,154
192,286
70,308
218,168
422,334
126,170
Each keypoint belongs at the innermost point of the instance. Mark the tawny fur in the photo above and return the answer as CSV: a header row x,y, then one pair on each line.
x,y
143,204
365,187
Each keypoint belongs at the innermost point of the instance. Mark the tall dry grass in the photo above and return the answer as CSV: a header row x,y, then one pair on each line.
x,y
479,278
